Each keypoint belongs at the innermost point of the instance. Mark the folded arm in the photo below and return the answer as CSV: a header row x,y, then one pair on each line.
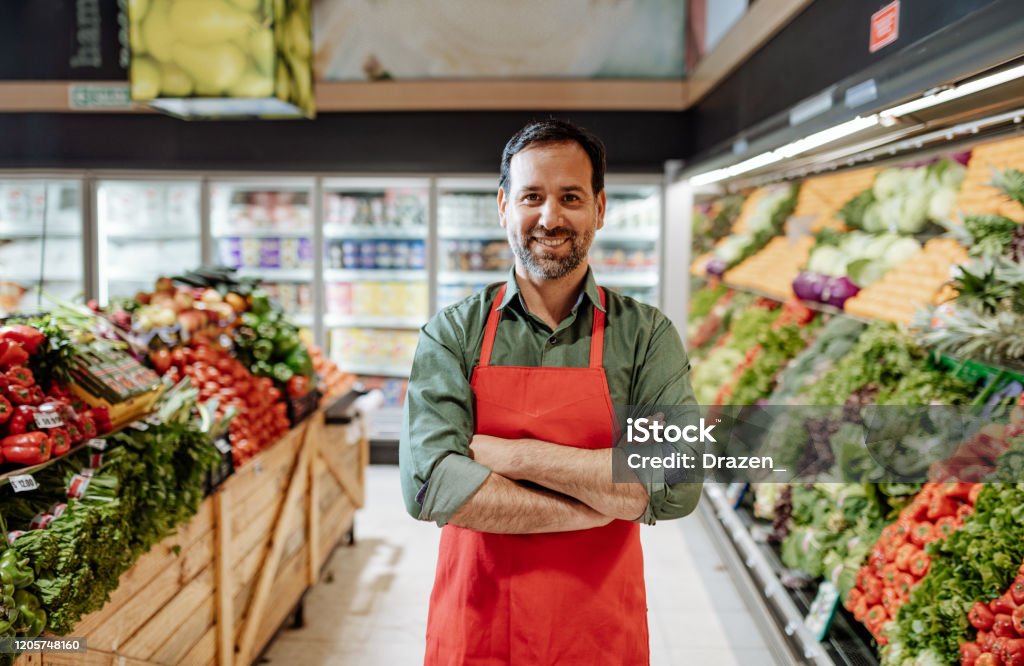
x,y
505,507
583,474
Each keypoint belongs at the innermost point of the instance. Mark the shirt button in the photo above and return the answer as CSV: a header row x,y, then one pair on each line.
x,y
553,340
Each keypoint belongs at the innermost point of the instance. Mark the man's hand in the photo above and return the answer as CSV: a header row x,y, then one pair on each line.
x,y
583,474
498,454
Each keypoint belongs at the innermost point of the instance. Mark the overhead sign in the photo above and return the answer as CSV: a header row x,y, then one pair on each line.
x,y
885,26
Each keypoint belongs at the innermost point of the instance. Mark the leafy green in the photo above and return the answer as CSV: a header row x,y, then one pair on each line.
x,y
975,563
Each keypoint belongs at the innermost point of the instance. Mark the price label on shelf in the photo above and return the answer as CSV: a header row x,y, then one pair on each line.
x,y
22,483
223,445
822,610
98,444
47,419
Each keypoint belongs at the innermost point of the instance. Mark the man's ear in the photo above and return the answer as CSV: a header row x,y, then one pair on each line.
x,y
602,201
502,202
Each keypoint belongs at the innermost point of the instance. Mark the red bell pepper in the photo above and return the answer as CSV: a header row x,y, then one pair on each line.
x,y
21,420
36,395
88,426
30,338
73,431
19,395
102,417
969,653
6,410
12,353
1003,626
1017,590
981,617
1003,604
21,376
919,564
30,448
60,441
1018,619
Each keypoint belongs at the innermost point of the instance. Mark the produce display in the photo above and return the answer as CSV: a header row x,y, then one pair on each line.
x,y
773,269
986,317
713,220
764,213
898,561
222,48
40,417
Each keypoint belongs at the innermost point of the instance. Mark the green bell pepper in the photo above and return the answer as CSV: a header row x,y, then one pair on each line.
x,y
267,331
262,369
300,362
20,573
263,350
260,303
31,616
286,342
282,372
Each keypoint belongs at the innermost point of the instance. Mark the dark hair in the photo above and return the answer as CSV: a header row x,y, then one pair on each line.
x,y
555,131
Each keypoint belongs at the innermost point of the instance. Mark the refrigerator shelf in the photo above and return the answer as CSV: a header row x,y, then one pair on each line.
x,y
12,232
374,370
159,235
373,275
336,231
370,321
627,279
262,233
277,274
471,277
472,233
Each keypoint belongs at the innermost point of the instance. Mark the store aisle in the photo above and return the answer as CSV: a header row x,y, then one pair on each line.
x,y
370,607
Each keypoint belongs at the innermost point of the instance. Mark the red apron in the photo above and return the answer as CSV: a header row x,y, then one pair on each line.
x,y
563,598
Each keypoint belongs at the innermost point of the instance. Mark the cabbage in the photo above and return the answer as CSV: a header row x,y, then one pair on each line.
x,y
900,251
827,260
856,243
873,218
941,205
865,272
887,183
891,212
915,211
730,249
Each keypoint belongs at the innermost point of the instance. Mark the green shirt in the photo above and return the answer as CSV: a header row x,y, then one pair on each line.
x,y
644,361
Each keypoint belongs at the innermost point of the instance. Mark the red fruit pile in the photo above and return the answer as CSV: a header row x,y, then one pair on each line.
x,y
261,416
898,561
1000,625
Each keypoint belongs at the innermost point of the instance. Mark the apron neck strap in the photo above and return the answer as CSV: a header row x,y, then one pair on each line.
x,y
491,329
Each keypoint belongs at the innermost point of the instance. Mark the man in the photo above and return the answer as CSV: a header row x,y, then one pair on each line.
x,y
508,428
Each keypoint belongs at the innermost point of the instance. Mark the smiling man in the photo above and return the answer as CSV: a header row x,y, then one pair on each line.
x,y
509,426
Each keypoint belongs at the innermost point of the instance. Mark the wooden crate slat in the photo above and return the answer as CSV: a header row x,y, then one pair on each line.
x,y
120,626
289,584
184,637
203,652
266,577
336,523
152,635
251,477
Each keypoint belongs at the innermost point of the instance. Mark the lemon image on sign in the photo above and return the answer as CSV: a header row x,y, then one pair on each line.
x,y
156,31
214,68
174,82
145,78
208,22
253,84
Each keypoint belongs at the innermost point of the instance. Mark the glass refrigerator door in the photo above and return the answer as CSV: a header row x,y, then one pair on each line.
x,y
375,283
147,230
472,247
40,242
624,255
264,229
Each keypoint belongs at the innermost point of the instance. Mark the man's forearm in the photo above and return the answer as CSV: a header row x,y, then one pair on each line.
x,y
585,474
502,506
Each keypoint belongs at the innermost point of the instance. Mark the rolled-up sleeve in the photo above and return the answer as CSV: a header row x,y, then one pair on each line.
x,y
664,380
437,474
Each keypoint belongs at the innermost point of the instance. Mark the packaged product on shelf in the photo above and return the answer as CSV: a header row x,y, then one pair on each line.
x,y
339,298
270,253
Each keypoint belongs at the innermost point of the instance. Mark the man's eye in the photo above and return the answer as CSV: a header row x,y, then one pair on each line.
x,y
533,196
571,197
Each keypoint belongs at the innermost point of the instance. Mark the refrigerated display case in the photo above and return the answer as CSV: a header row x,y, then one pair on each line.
x,y
146,229
264,228
41,241
375,283
473,249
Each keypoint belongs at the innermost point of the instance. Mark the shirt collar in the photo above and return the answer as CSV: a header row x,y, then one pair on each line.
x,y
589,290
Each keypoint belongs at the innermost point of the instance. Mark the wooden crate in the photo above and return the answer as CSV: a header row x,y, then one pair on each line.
x,y
203,596
976,195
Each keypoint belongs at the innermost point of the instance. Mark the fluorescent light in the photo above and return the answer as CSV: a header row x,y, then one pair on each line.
x,y
789,150
949,94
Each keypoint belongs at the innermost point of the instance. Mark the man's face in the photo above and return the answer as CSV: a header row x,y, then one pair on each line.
x,y
550,211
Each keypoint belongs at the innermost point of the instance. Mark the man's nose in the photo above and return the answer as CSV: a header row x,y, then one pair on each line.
x,y
551,214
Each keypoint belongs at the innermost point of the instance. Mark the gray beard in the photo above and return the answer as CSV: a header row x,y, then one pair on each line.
x,y
552,269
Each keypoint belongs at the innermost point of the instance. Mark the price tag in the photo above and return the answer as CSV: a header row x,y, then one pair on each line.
x,y
223,445
47,419
23,483
822,610
140,425
154,420
98,444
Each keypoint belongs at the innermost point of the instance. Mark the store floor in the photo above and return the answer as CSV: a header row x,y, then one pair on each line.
x,y
370,608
